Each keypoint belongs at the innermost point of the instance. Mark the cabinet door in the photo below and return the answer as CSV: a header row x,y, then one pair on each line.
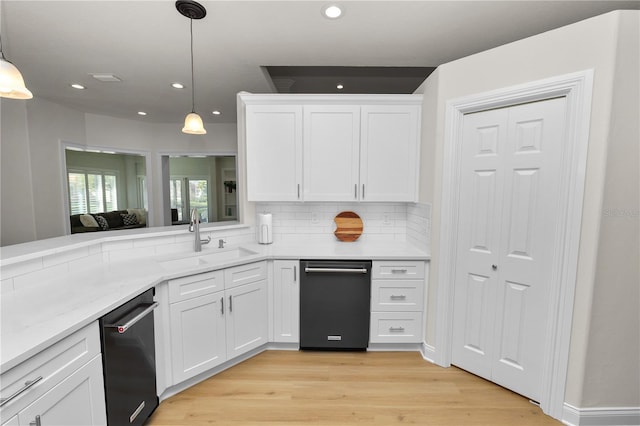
x,y
331,152
286,301
247,321
197,335
77,400
274,152
389,153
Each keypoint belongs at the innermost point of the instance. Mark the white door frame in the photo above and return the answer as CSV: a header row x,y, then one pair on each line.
x,y
577,89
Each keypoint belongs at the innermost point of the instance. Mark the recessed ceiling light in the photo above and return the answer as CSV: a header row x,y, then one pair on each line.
x,y
216,112
340,86
177,85
331,11
142,113
77,86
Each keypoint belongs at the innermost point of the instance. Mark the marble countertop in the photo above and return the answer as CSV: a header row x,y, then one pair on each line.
x,y
35,317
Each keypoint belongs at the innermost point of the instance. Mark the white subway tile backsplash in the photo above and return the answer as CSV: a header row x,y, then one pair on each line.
x,y
382,221
64,257
154,241
6,286
117,245
41,276
21,268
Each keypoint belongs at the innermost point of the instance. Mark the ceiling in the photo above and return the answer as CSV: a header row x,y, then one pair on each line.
x,y
237,45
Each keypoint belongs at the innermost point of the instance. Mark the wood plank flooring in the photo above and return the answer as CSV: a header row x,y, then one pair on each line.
x,y
346,388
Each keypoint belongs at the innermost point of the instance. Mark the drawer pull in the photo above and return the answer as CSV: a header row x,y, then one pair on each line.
x,y
396,329
398,297
399,271
27,386
36,422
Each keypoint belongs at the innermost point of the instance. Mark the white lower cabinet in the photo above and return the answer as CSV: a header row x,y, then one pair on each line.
x,y
75,401
397,301
197,335
210,325
286,301
62,385
246,318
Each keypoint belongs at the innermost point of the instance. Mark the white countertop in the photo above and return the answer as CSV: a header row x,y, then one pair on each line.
x,y
35,317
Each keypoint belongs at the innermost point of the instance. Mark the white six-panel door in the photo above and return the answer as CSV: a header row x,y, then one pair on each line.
x,y
510,172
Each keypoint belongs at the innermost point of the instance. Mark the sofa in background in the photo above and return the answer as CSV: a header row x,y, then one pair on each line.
x,y
106,221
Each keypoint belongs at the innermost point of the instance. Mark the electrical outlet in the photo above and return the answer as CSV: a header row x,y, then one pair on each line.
x,y
314,218
385,220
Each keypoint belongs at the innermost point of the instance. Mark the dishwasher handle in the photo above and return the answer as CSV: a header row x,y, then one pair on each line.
x,y
122,328
337,270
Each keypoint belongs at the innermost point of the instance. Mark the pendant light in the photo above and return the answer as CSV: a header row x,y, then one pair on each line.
x,y
193,10
11,81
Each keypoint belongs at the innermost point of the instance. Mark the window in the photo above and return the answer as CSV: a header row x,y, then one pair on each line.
x,y
186,194
92,192
177,199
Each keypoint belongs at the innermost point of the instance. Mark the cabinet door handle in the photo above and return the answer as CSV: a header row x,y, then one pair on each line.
x,y
398,297
396,329
222,305
36,422
363,191
298,191
27,385
230,303
355,191
398,271
295,272
122,328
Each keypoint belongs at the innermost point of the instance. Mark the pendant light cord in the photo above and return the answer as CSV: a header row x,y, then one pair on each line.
x,y
1,52
193,91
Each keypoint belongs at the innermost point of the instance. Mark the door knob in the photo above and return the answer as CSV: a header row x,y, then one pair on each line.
x,y
494,267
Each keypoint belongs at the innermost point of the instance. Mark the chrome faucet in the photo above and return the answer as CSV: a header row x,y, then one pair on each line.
x,y
194,227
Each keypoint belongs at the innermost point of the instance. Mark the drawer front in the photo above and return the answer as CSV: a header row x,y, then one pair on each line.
x,y
396,327
397,295
245,274
398,269
195,285
52,364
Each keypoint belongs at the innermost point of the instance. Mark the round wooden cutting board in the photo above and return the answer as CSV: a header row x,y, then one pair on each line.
x,y
348,226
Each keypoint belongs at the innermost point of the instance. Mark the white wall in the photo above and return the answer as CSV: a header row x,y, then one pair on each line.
x,y
614,337
590,44
17,222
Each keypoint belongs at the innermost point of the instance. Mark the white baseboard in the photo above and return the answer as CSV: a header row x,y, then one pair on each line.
x,y
428,352
606,416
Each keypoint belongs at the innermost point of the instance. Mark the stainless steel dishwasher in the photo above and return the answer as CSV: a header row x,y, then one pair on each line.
x,y
335,304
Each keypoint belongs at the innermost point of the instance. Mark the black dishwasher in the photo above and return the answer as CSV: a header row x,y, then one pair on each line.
x,y
129,361
335,304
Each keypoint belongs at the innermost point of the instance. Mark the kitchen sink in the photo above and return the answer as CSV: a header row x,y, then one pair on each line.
x,y
235,253
212,258
187,262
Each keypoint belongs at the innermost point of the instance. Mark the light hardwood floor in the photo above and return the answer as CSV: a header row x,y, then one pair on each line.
x,y
346,388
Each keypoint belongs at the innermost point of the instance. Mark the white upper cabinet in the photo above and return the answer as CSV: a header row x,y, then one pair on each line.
x,y
389,153
332,147
274,152
331,152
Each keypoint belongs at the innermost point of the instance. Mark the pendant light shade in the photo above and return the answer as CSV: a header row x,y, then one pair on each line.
x,y
193,10
193,125
11,82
